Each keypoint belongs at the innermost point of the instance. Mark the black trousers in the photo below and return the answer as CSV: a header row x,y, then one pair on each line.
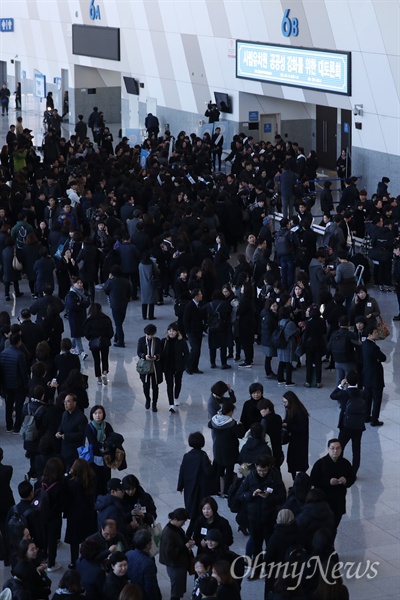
x,y
174,385
100,353
345,436
373,400
149,381
314,356
195,350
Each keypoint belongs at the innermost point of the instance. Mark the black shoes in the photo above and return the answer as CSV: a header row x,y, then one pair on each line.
x,y
147,405
154,407
376,423
396,318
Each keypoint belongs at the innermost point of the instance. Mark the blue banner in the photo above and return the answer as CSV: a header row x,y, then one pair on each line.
x,y
143,157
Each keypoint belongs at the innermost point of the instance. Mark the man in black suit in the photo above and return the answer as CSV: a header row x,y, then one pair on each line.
x,y
353,411
193,324
65,362
31,333
119,291
373,377
14,378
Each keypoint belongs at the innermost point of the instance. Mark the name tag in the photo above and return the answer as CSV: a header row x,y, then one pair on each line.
x,y
301,299
369,304
203,531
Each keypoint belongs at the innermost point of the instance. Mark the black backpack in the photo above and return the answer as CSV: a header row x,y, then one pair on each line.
x,y
278,339
41,502
283,243
18,522
214,319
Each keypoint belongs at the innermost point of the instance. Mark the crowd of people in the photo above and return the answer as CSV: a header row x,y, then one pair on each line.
x,y
87,217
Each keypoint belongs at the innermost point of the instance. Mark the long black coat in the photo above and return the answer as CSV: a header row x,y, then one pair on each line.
x,y
181,352
195,479
297,453
321,474
44,270
373,357
80,513
76,304
223,338
9,273
89,255
30,254
6,496
246,321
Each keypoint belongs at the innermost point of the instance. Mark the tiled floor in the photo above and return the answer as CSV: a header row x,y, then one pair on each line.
x,y
155,442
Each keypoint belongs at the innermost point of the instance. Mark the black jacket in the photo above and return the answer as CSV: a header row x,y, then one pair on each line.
x,y
323,471
353,409
219,523
119,291
193,319
373,357
99,326
142,352
195,479
262,510
174,353
65,363
13,369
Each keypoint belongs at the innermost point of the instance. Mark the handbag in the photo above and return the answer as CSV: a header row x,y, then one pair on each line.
x,y
144,367
86,452
382,328
155,531
16,264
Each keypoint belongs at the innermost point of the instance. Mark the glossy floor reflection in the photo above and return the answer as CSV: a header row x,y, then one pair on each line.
x,y
155,442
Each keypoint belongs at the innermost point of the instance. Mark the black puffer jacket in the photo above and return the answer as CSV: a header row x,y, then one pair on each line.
x,y
262,510
99,326
312,517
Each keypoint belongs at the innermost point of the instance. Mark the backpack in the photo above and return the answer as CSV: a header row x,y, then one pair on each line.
x,y
41,502
18,521
278,339
29,430
296,554
283,244
21,237
214,320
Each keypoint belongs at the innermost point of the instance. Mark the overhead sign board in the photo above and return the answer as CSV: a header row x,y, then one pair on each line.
x,y
311,68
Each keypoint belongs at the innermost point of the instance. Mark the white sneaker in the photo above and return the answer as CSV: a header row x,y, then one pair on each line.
x,y
176,403
104,379
171,409
55,568
83,355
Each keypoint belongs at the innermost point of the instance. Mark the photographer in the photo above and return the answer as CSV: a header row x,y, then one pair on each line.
x,y
212,112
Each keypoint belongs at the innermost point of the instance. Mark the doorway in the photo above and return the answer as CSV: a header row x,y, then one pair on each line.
x,y
269,127
327,136
65,95
3,72
345,131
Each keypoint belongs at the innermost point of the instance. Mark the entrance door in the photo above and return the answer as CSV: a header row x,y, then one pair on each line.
x,y
269,127
345,131
65,95
327,136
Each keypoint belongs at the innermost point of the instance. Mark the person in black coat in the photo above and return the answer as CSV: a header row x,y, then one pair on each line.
x,y
53,328
225,445
88,259
296,423
117,579
6,502
70,586
99,331
90,569
272,426
71,430
353,411
373,377
32,572
254,446
262,491
10,275
210,519
119,291
96,433
250,412
174,355
313,340
149,347
44,270
79,507
246,324
298,493
65,362
134,494
76,303
218,316
269,323
316,513
31,333
193,323
37,406
14,378
333,474
54,482
129,258
195,476
76,384
284,536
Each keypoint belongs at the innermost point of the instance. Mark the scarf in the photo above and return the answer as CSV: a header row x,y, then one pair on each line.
x,y
100,429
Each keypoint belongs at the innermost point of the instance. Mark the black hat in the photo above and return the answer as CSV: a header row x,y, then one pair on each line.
x,y
114,484
385,180
214,535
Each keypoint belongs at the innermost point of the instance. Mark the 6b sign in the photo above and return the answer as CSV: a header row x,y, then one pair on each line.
x,y
289,26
